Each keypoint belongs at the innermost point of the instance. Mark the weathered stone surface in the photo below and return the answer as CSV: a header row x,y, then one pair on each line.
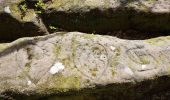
x,y
15,23
93,64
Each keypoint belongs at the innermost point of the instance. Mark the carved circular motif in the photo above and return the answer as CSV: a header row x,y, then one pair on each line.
x,y
91,59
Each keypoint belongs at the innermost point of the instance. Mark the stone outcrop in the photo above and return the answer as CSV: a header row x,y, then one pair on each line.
x,y
15,23
70,63
32,18
103,16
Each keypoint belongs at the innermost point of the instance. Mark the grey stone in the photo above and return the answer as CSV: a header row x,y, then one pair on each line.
x,y
92,64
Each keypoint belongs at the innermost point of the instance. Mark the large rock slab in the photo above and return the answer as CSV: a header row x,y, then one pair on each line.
x,y
71,63
15,23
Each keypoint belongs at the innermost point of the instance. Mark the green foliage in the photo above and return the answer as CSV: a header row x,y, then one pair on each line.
x,y
40,4
39,11
23,7
52,27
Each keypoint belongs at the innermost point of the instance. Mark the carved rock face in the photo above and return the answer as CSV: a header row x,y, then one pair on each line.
x,y
85,61
75,61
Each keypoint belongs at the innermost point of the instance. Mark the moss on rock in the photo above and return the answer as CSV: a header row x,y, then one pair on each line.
x,y
59,83
3,47
158,41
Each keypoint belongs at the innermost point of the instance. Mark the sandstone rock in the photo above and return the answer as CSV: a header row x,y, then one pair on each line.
x,y
16,23
85,63
109,15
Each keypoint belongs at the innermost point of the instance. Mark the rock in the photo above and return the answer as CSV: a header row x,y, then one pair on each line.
x,y
104,16
23,18
39,0
16,22
86,64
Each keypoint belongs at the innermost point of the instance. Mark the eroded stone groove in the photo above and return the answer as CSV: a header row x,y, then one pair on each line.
x,y
136,65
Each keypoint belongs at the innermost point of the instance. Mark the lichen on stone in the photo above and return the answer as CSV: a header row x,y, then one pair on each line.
x,y
158,41
115,59
93,72
58,49
60,83
144,60
3,46
88,36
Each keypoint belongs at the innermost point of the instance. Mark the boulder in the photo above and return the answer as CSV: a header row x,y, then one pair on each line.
x,y
104,16
84,66
16,21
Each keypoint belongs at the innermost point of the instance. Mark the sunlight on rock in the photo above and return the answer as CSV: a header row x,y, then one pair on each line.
x,y
29,82
7,9
112,48
128,71
56,68
143,66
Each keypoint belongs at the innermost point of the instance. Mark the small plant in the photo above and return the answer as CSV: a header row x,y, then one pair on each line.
x,y
23,7
40,4
52,27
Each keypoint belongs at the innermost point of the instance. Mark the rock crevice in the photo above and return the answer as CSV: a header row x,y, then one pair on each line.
x,y
32,18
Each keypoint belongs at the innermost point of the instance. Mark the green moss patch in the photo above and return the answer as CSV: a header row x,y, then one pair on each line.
x,y
60,83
